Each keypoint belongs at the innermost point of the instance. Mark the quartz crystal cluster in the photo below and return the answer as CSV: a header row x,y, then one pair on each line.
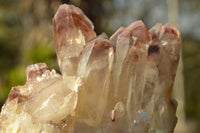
x,y
120,84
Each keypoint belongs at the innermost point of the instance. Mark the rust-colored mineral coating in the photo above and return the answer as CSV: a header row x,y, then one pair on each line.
x,y
134,31
36,70
19,92
68,21
72,30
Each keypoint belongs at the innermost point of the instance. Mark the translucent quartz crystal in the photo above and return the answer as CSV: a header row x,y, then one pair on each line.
x,y
72,29
117,85
42,102
143,74
95,78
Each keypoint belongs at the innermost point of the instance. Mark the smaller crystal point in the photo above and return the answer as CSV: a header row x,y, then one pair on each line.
x,y
133,31
155,32
95,80
171,26
113,38
33,71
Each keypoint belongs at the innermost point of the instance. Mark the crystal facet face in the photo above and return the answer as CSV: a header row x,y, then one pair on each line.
x,y
120,84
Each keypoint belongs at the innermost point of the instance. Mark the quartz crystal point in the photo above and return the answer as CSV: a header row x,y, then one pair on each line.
x,y
94,72
117,85
72,30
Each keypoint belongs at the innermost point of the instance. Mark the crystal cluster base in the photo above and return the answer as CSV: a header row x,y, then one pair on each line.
x,y
120,84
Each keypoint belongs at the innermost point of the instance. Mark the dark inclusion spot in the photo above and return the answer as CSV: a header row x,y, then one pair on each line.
x,y
153,49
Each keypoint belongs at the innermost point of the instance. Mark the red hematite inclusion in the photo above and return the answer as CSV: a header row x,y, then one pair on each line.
x,y
120,84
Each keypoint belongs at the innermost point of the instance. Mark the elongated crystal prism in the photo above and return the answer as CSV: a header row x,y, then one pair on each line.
x,y
72,30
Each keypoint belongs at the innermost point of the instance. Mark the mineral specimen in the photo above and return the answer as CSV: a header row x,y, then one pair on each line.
x,y
117,85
